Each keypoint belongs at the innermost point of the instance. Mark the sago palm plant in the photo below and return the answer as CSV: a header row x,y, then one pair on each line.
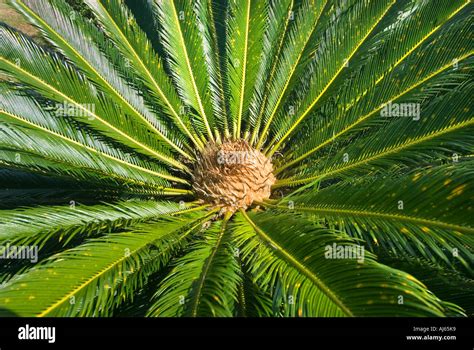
x,y
238,158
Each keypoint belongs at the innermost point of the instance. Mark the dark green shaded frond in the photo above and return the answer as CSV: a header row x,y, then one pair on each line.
x,y
451,286
22,189
252,301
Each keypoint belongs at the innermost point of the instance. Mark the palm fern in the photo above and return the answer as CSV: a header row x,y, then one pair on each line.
x,y
203,158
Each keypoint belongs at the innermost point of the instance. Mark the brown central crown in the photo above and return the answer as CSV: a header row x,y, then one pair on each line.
x,y
232,175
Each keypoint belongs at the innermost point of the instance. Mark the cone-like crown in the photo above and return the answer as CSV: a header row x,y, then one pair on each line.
x,y
232,175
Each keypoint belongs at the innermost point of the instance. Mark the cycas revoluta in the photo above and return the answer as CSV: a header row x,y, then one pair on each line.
x,y
239,158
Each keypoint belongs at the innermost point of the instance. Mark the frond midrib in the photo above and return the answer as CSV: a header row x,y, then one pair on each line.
x,y
268,80
287,82
202,278
191,72
244,72
375,214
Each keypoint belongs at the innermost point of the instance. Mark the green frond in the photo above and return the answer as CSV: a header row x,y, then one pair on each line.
x,y
402,214
299,47
23,141
37,225
278,23
27,62
98,275
338,46
23,111
208,14
80,41
52,229
122,28
435,60
295,252
246,24
443,127
204,281
409,25
179,34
